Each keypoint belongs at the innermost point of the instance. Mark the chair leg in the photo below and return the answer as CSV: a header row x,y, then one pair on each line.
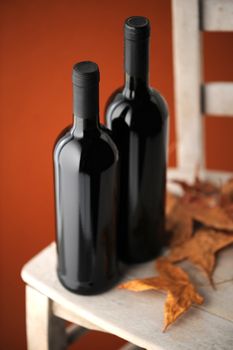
x,y
45,331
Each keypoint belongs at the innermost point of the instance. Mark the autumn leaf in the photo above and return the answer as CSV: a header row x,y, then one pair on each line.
x,y
180,225
199,191
227,197
199,186
171,202
198,225
181,217
181,293
206,187
215,217
229,210
201,249
227,189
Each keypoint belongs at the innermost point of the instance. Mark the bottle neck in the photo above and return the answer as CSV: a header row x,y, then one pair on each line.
x,y
134,86
86,106
82,125
136,64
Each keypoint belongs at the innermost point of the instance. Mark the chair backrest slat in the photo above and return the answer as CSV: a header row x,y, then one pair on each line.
x,y
217,15
218,99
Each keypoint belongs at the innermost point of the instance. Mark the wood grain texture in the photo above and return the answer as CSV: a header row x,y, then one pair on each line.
x,y
217,15
187,62
138,317
218,98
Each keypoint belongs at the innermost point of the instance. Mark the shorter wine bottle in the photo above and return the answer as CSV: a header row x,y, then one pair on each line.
x,y
85,167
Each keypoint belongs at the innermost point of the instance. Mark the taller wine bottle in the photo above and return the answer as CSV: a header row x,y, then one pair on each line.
x,y
137,116
85,164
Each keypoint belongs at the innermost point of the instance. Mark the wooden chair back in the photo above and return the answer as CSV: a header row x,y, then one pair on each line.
x,y
193,97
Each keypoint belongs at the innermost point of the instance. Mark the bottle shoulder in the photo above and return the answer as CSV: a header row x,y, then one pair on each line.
x,y
151,96
160,101
93,151
149,111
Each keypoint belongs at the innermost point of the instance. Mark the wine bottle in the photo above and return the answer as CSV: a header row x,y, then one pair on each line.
x,y
85,168
137,116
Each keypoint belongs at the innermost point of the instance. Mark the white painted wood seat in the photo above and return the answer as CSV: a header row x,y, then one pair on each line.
x,y
138,317
135,317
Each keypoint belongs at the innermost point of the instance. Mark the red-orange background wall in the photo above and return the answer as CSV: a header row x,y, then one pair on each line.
x,y
40,41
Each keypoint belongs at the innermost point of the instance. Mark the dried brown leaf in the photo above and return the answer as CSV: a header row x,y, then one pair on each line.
x,y
205,187
201,249
171,202
229,210
199,186
227,197
215,217
227,189
180,224
181,293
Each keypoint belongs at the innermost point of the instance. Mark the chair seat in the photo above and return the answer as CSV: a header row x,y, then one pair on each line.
x,y
138,317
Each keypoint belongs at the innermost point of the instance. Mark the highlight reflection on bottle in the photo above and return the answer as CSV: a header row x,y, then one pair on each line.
x,y
85,165
137,116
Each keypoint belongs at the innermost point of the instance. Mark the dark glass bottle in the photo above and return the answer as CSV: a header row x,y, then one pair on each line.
x,y
137,116
85,165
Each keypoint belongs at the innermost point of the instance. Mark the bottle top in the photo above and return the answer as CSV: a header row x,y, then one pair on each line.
x,y
137,27
86,78
85,74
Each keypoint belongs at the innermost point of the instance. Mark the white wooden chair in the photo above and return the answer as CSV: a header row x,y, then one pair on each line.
x,y
134,317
